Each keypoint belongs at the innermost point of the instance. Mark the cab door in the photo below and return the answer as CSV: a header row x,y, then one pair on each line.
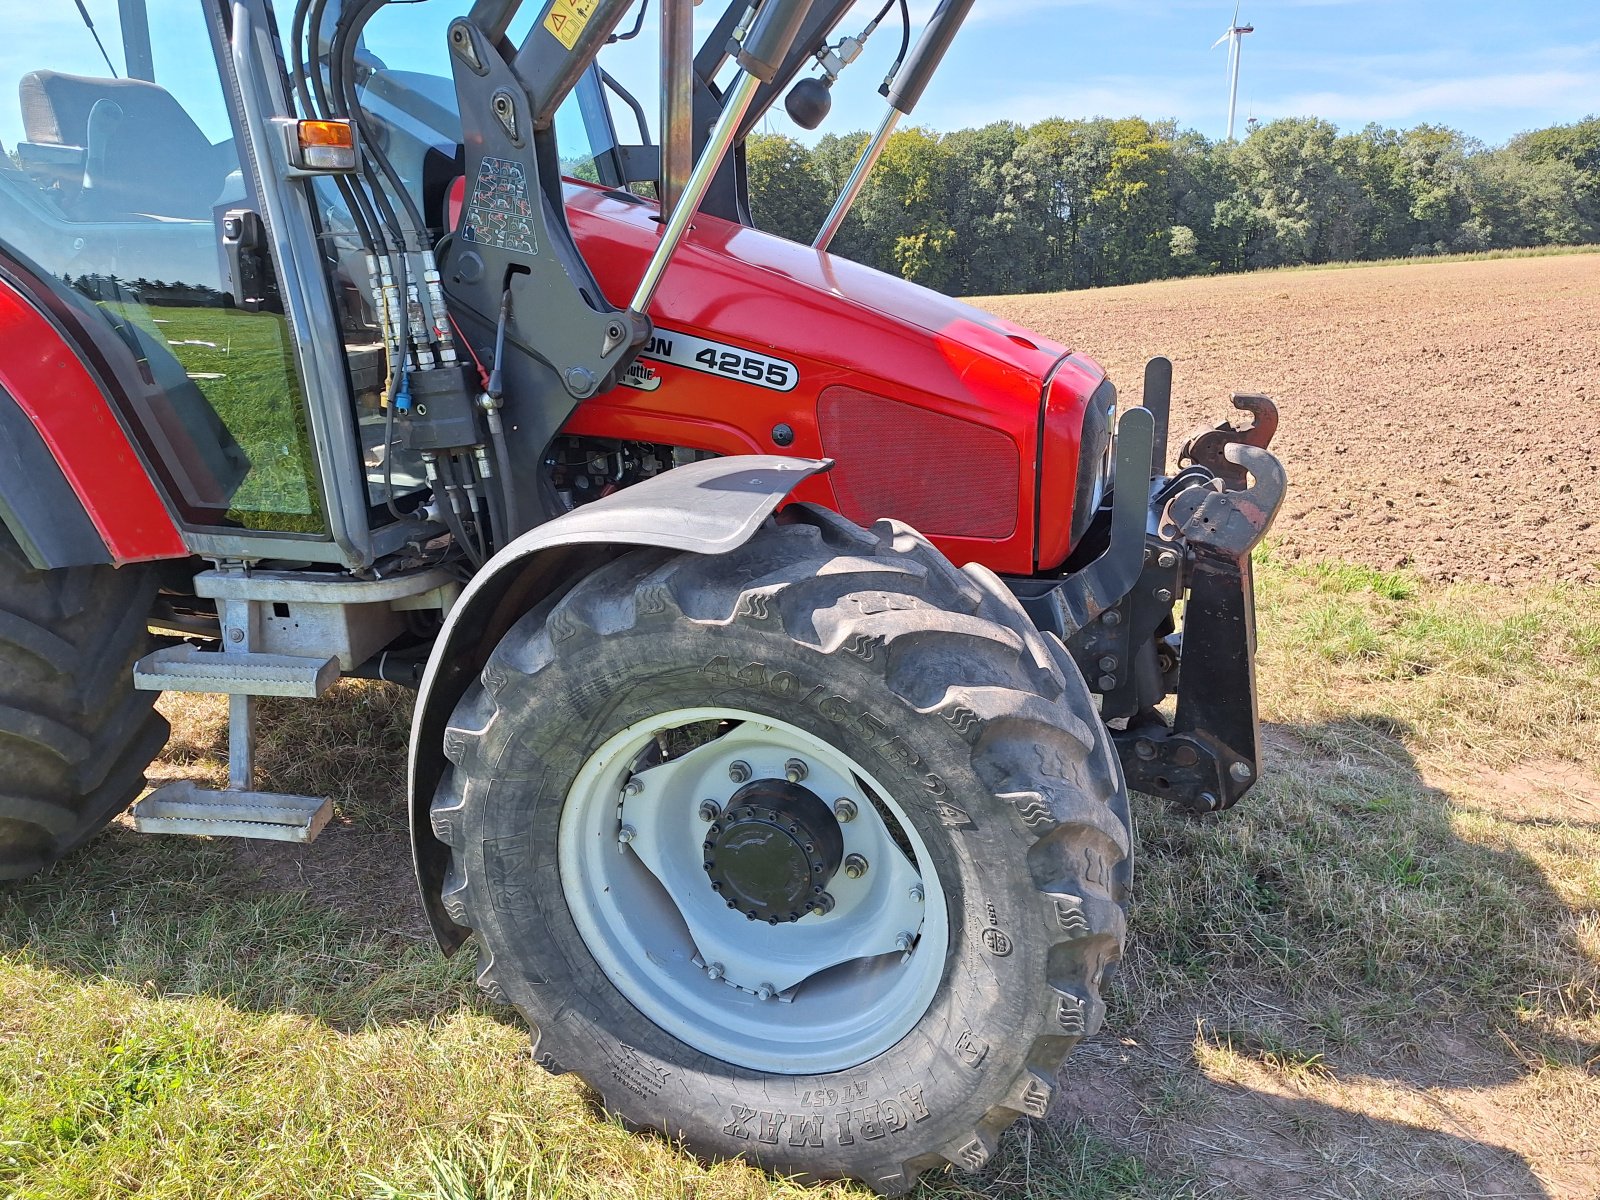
x,y
134,189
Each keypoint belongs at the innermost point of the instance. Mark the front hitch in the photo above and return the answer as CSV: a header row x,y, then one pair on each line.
x,y
1191,538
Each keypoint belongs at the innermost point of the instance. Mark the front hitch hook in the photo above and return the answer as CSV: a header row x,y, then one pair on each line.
x,y
1231,522
1207,447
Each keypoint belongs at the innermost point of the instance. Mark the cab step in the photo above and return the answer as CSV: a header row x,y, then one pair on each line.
x,y
186,807
188,668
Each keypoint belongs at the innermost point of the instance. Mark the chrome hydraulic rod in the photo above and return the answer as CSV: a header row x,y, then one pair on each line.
x,y
858,179
694,191
677,100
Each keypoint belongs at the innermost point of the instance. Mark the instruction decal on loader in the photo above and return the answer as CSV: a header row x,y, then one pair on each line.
x,y
566,20
500,212
715,358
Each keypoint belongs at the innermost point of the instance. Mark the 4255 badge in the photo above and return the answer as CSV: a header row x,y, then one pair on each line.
x,y
718,358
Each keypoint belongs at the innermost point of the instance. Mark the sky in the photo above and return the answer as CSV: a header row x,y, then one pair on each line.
x,y
1491,70
1488,69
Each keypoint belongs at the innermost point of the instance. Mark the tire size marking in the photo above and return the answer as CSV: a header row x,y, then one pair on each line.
x,y
788,687
721,360
868,1122
641,1076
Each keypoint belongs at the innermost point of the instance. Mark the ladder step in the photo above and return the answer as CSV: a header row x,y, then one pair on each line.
x,y
188,668
186,807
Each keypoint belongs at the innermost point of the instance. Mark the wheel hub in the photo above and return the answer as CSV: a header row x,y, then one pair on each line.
x,y
773,851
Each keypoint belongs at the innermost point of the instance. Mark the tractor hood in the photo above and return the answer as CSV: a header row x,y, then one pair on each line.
x,y
964,425
774,265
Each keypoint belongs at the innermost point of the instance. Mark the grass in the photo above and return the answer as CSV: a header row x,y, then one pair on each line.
x,y
1467,256
1405,902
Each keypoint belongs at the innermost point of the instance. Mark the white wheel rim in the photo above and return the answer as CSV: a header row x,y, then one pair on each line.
x,y
842,989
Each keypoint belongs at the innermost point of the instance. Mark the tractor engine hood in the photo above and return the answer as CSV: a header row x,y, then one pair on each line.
x,y
966,426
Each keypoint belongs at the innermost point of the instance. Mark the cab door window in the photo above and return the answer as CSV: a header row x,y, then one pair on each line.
x,y
119,168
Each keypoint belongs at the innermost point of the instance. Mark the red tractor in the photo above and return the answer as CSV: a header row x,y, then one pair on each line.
x,y
790,836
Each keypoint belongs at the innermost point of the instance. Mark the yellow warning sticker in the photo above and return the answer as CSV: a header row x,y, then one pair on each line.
x,y
566,19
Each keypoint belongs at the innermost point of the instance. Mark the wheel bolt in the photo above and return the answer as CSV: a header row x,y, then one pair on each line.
x,y
632,788
709,810
916,892
844,809
794,770
739,771
626,834
714,971
766,992
902,942
855,866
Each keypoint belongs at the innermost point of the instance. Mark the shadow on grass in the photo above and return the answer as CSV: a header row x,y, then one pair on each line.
x,y
1306,971
1351,985
331,930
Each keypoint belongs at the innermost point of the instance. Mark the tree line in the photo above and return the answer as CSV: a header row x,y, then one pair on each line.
x,y
1083,203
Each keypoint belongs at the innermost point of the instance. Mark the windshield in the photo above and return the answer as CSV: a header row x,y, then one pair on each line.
x,y
405,84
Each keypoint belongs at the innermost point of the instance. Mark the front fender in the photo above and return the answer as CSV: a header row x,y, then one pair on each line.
x,y
707,507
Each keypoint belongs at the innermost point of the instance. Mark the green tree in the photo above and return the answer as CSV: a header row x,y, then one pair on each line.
x,y
788,195
1131,205
1302,207
906,206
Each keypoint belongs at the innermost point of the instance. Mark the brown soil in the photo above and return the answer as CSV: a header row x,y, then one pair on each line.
x,y
1440,416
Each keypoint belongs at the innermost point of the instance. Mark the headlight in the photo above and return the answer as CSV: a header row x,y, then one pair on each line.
x,y
1095,451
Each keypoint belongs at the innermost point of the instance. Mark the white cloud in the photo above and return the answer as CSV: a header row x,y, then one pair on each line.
x,y
1543,90
1104,96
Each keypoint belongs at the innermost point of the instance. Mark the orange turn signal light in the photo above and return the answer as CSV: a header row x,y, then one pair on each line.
x,y
326,146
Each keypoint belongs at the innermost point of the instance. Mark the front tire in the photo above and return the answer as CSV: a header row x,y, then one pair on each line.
x,y
981,783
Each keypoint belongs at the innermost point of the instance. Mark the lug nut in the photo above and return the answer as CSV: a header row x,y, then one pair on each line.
x,y
844,808
709,810
626,834
822,905
916,893
794,770
739,771
714,971
855,866
902,942
1241,772
766,992
632,788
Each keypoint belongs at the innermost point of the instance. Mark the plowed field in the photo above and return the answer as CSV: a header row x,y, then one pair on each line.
x,y
1438,416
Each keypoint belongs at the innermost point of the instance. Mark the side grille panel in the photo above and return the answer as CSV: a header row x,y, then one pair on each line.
x,y
941,474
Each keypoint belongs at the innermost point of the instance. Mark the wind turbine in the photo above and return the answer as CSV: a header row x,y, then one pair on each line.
x,y
1234,35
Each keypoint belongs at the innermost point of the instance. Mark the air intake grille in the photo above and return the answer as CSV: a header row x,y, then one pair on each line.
x,y
940,474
